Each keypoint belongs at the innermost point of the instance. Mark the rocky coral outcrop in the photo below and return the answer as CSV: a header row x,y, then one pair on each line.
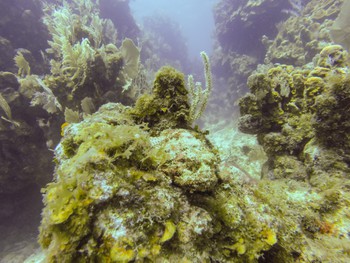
x,y
301,37
241,24
125,191
301,116
121,190
240,27
32,109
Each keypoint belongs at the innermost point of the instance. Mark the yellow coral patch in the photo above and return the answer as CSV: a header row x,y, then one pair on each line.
x,y
155,250
63,127
269,236
121,254
170,229
239,247
143,252
62,215
149,177
186,260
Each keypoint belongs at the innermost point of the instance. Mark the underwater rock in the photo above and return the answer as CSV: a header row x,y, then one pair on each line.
x,y
163,43
120,193
340,28
295,106
240,29
168,106
191,164
333,56
21,24
241,24
301,37
25,160
124,181
120,14
83,63
127,191
7,53
303,127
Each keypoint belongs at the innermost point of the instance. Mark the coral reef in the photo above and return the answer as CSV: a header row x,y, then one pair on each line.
x,y
168,105
300,38
20,24
7,54
289,106
340,28
294,36
120,14
140,184
85,61
127,187
112,171
25,160
87,69
240,27
172,105
34,95
240,24
301,118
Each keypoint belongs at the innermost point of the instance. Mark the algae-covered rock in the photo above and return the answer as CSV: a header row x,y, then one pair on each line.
x,y
124,182
289,106
127,188
240,28
301,37
340,28
239,23
22,26
168,105
190,163
7,53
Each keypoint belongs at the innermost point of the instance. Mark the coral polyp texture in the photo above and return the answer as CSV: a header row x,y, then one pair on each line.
x,y
127,188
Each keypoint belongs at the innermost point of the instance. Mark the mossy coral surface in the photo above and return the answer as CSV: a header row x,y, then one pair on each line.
x,y
168,105
288,106
301,118
303,36
129,189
